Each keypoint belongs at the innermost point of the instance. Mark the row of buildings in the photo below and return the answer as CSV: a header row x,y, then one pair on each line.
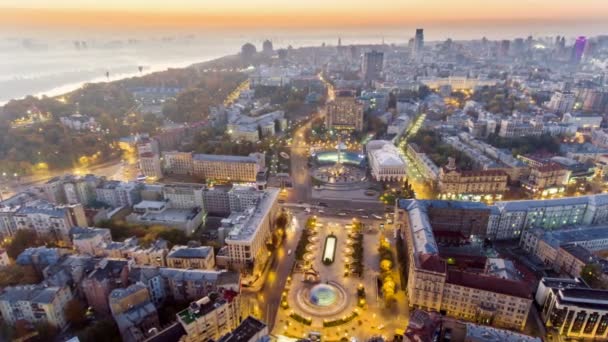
x,y
510,219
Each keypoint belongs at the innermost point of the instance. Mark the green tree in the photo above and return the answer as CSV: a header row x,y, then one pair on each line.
x,y
591,274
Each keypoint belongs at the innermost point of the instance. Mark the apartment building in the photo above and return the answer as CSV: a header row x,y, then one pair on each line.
x,y
187,285
46,219
88,240
211,317
200,258
109,274
134,313
36,304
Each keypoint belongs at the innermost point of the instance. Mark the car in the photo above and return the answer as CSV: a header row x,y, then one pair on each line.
x,y
364,216
342,214
377,217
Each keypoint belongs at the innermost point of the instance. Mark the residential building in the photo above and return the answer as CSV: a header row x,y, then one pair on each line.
x,y
46,219
186,285
88,240
35,304
186,257
37,258
250,330
210,317
133,312
109,274
151,277
562,102
344,112
385,161
227,168
572,309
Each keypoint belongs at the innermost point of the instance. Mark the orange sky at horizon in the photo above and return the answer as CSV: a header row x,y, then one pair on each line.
x,y
275,13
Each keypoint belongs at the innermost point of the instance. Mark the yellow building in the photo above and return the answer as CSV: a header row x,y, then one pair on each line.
x,y
453,182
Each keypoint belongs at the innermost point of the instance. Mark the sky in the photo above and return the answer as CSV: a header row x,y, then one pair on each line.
x,y
293,13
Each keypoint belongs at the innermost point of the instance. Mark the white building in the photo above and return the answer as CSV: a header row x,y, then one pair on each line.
x,y
161,213
184,196
50,220
248,231
562,102
88,240
385,161
79,122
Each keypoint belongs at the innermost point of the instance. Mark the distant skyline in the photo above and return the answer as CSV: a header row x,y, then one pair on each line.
x,y
310,14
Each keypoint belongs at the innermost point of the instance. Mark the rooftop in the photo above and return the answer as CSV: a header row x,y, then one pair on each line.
x,y
189,252
205,305
482,333
579,234
489,283
225,158
246,224
30,293
248,328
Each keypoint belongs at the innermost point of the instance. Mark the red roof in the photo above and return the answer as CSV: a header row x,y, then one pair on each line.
x,y
488,283
432,262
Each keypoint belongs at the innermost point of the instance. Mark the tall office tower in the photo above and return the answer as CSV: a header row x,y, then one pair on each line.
x,y
578,49
418,43
372,65
503,49
267,47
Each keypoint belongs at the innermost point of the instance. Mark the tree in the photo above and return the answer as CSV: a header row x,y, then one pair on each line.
x,y
24,238
591,274
75,313
281,221
17,275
